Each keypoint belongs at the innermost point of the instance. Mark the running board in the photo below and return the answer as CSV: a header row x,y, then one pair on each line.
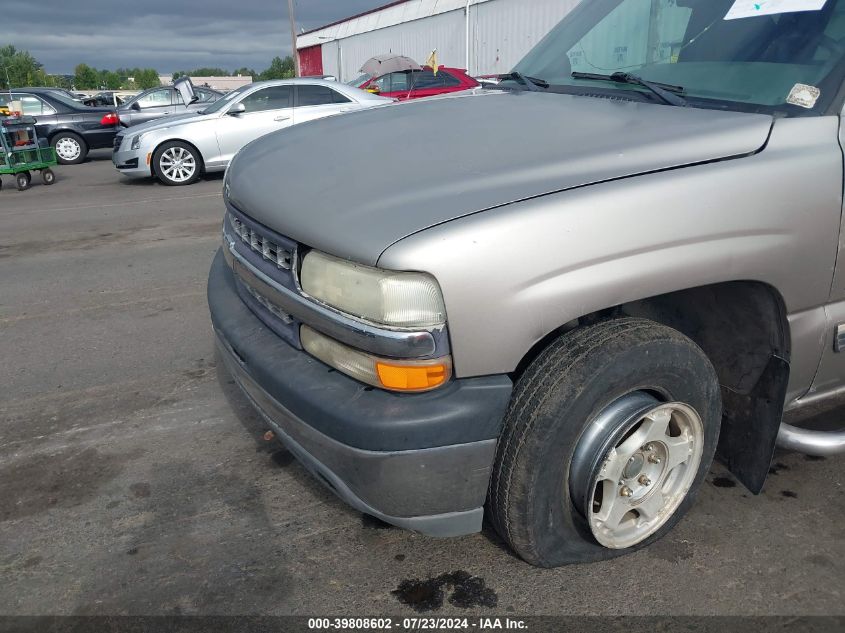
x,y
820,443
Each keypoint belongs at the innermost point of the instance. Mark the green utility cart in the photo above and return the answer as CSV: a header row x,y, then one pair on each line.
x,y
21,152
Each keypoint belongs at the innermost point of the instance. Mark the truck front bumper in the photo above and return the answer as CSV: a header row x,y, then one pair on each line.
x,y
417,461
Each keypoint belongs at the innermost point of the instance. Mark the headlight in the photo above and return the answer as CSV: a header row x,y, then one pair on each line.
x,y
395,299
384,373
136,142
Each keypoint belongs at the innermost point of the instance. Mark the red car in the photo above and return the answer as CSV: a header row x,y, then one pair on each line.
x,y
417,83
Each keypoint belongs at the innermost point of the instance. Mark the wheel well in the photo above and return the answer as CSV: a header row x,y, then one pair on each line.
x,y
738,324
743,329
179,140
55,133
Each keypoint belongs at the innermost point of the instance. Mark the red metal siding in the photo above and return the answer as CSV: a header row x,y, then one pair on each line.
x,y
311,60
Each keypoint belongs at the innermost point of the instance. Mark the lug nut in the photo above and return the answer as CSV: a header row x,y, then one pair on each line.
x,y
645,481
648,447
654,459
626,491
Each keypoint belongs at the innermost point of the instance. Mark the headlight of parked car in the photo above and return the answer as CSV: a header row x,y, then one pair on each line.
x,y
136,141
394,299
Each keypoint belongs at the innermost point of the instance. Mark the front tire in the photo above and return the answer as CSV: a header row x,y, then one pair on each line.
x,y
626,411
48,177
70,148
177,164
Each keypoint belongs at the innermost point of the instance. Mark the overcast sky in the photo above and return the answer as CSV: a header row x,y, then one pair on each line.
x,y
167,35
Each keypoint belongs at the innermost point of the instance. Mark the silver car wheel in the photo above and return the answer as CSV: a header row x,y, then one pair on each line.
x,y
178,164
68,148
649,454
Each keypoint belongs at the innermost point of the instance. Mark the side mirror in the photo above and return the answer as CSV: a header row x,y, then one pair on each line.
x,y
374,89
136,106
237,109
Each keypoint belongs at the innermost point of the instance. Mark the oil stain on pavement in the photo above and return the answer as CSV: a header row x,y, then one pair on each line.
x,y
467,592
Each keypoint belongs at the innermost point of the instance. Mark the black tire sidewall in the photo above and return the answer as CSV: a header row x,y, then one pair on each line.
x,y
164,179
670,367
83,146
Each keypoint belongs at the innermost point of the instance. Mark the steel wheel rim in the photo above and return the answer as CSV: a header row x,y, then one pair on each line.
x,y
648,457
68,148
178,164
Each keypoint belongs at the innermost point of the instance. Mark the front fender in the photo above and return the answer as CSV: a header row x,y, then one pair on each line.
x,y
513,274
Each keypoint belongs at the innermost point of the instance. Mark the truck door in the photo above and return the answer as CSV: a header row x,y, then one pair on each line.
x,y
831,374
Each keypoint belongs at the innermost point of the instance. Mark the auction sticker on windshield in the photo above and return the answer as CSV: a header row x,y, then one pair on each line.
x,y
804,96
751,8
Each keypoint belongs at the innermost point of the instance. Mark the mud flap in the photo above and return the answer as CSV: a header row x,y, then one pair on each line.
x,y
750,425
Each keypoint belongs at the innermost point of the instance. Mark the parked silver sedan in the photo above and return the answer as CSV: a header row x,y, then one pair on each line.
x,y
179,149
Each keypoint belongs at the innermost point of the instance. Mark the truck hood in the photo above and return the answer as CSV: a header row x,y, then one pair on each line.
x,y
352,185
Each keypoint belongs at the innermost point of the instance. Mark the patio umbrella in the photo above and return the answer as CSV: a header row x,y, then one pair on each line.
x,y
385,64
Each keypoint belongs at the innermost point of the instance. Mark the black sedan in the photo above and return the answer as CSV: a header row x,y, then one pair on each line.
x,y
69,126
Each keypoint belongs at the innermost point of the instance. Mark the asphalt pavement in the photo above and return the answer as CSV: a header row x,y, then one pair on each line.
x,y
134,478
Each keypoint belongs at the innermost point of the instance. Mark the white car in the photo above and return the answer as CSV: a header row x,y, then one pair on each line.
x,y
179,149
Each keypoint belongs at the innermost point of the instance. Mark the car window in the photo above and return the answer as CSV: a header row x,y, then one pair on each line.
x,y
426,79
34,106
394,82
359,81
155,99
272,98
31,105
318,95
204,96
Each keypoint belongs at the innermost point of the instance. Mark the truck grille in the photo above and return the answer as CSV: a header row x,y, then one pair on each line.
x,y
263,251
264,246
268,305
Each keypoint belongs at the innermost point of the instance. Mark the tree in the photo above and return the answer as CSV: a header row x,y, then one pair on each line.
x,y
147,78
245,72
201,72
110,80
280,69
86,78
22,68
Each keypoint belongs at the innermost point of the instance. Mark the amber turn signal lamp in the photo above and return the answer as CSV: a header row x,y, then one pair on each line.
x,y
411,377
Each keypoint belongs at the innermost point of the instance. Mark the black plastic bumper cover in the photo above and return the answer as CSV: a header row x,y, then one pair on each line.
x,y
419,461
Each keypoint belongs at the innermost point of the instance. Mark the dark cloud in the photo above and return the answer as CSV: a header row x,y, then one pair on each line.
x,y
164,34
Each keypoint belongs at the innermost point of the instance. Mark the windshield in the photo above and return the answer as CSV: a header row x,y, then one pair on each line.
x,y
359,81
733,54
224,101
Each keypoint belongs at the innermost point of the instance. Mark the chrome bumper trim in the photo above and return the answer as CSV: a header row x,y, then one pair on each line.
x,y
378,341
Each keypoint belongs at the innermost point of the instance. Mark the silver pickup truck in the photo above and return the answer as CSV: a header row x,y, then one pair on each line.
x,y
555,301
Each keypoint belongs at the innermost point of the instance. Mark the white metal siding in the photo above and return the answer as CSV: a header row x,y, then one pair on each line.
x,y
399,14
415,39
501,33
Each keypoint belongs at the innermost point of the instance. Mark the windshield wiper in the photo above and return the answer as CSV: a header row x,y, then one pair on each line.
x,y
529,82
666,92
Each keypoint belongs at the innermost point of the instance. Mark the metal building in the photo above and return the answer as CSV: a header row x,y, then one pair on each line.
x,y
484,36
